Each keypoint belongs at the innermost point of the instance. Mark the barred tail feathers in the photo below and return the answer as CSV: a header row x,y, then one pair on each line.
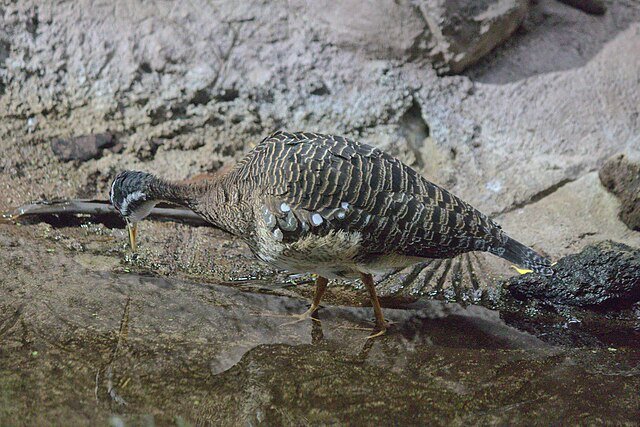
x,y
523,256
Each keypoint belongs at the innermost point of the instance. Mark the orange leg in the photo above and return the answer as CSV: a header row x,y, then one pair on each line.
x,y
321,286
381,326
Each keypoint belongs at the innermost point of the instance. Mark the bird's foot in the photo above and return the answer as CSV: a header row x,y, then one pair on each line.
x,y
376,332
302,317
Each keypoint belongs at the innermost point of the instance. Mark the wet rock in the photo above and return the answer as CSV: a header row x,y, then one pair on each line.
x,y
595,7
621,175
604,276
83,147
453,35
319,373
93,332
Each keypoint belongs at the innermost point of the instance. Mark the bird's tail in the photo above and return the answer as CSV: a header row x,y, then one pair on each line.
x,y
523,256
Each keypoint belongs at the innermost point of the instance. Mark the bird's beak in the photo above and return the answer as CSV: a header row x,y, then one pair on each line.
x,y
133,230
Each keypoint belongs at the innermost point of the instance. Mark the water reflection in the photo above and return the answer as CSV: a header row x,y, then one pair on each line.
x,y
214,354
233,322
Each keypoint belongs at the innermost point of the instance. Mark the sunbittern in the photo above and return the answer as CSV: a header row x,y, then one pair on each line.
x,y
307,202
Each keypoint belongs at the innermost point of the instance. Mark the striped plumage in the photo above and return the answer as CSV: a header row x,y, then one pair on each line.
x,y
333,206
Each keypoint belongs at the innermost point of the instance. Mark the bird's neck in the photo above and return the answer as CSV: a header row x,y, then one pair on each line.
x,y
218,199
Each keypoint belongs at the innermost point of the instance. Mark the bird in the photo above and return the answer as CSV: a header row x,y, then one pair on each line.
x,y
332,206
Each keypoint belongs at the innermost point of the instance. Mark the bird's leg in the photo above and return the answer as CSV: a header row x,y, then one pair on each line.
x,y
321,286
381,326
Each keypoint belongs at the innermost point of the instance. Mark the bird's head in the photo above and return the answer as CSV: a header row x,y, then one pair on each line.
x,y
131,196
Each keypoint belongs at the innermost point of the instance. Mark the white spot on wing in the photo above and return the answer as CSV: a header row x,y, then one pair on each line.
x,y
316,219
285,207
277,234
344,205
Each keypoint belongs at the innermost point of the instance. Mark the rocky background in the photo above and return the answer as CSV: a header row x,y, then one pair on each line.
x,y
528,109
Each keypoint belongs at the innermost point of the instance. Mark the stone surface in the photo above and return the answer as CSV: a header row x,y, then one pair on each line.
x,y
568,218
450,34
621,175
81,148
605,276
188,100
381,28
463,31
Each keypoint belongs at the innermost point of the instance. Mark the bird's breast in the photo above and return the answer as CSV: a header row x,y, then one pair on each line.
x,y
334,254
337,254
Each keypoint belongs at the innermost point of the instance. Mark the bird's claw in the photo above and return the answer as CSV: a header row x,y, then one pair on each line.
x,y
380,332
302,317
375,332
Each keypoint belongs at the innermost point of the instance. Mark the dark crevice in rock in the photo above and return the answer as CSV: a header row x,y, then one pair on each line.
x,y
162,114
594,7
214,121
538,196
5,49
145,67
415,130
226,95
158,115
146,150
320,89
179,110
201,97
33,23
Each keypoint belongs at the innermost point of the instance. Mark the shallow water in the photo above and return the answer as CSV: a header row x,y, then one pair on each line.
x,y
94,343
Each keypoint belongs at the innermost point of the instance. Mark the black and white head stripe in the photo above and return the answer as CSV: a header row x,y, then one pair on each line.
x,y
128,193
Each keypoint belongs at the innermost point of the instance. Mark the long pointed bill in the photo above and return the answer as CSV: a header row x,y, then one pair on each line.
x,y
133,230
